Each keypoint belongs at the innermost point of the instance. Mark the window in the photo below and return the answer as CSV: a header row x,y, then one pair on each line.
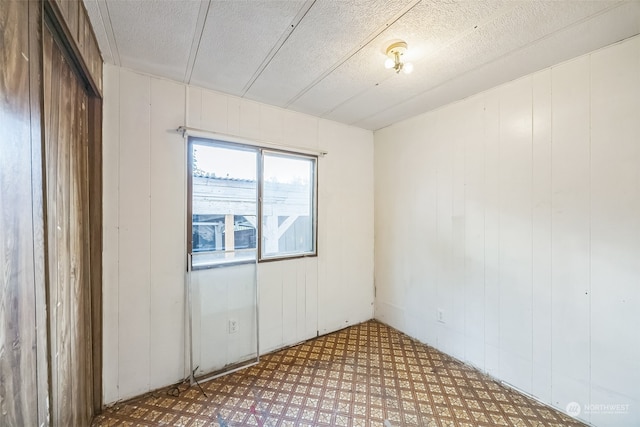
x,y
227,181
288,205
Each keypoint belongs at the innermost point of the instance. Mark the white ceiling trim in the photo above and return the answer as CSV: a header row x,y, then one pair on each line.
x,y
324,57
108,29
197,38
278,45
354,51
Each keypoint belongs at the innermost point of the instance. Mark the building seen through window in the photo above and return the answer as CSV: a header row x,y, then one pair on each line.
x,y
225,188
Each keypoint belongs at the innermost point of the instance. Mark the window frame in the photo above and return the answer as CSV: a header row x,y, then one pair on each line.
x,y
260,154
313,203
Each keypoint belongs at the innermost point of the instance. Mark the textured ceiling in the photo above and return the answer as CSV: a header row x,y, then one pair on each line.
x,y
325,57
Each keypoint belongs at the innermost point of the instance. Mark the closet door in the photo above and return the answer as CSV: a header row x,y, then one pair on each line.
x,y
23,355
66,120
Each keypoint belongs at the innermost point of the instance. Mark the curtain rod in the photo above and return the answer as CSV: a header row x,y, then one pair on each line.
x,y
185,130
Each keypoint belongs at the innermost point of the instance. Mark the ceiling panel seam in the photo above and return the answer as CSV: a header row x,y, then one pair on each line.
x,y
475,28
103,7
324,57
484,64
357,95
278,45
453,40
197,38
354,51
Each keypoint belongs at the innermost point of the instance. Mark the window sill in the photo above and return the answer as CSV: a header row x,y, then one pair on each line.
x,y
219,264
288,257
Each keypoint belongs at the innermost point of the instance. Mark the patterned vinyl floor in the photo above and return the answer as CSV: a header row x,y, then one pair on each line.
x,y
365,375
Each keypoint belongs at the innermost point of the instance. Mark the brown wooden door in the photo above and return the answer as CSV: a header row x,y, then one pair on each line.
x,y
66,123
23,369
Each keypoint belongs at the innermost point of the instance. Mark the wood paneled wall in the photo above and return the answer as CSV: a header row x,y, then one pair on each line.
x,y
23,373
73,22
50,217
66,111
95,254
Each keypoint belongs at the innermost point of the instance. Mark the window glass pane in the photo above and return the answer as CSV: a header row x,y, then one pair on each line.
x,y
288,205
224,205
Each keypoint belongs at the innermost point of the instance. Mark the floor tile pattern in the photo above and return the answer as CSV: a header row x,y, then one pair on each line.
x,y
365,375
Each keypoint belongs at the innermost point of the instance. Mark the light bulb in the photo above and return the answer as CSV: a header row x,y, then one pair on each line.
x,y
407,68
389,63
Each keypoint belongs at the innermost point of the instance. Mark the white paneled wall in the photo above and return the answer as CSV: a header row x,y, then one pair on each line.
x,y
145,226
615,227
220,294
516,214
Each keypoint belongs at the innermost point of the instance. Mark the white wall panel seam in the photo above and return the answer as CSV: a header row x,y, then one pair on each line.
x,y
186,120
117,284
590,275
437,255
463,246
532,200
316,327
111,148
185,154
149,112
484,225
499,234
484,231
499,252
550,219
119,130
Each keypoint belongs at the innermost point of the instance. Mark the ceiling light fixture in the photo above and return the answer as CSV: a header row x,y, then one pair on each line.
x,y
394,53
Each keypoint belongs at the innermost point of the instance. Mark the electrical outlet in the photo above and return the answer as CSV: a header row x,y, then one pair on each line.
x,y
440,315
233,326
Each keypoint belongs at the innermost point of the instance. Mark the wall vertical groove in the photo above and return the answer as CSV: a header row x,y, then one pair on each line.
x,y
561,190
